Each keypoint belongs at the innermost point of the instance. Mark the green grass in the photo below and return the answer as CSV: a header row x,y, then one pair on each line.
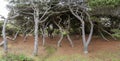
x,y
13,57
50,50
75,57
106,56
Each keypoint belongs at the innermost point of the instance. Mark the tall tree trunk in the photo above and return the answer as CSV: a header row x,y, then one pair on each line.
x,y
4,36
36,20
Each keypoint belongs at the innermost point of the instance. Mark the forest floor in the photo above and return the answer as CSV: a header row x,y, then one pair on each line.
x,y
99,49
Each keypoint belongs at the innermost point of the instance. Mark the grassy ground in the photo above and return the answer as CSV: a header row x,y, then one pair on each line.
x,y
98,56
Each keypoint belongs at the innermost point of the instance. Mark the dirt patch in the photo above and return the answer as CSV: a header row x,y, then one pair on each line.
x,y
96,45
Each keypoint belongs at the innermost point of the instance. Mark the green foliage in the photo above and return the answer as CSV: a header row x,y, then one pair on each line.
x,y
11,29
56,31
13,57
49,50
96,3
116,33
65,32
75,57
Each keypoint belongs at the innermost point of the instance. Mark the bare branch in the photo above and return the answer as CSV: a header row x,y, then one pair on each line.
x,y
44,14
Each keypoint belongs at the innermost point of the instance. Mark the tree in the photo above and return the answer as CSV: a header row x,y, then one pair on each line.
x,y
58,11
4,32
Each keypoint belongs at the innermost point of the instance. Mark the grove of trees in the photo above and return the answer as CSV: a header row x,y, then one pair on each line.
x,y
61,17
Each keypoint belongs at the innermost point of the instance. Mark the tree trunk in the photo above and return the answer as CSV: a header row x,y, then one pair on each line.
x,y
69,39
43,36
36,38
90,34
25,38
61,30
15,35
36,20
85,42
4,36
59,42
85,48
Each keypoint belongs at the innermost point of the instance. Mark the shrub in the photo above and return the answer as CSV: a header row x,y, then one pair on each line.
x,y
116,33
13,57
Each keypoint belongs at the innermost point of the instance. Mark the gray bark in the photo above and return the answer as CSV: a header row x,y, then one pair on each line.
x,y
58,44
85,42
15,35
27,35
69,39
36,20
43,36
109,34
60,40
68,28
91,30
103,36
4,36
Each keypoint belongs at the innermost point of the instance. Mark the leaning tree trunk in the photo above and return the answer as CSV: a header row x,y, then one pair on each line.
x,y
69,39
36,20
61,34
16,35
85,42
68,36
4,37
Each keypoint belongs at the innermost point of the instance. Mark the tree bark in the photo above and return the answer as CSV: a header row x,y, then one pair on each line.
x,y
85,42
61,30
59,42
25,38
4,36
103,35
16,35
43,36
69,39
90,34
36,20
